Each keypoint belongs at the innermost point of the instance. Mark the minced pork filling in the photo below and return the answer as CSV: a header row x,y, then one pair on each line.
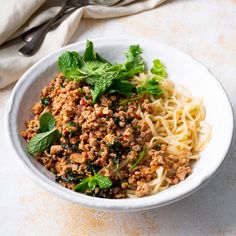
x,y
104,138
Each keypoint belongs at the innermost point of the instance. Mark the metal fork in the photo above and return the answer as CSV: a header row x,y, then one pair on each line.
x,y
32,46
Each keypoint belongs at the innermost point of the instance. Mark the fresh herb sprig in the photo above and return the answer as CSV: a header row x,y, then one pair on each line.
x,y
99,73
92,182
158,69
47,136
105,77
151,87
46,122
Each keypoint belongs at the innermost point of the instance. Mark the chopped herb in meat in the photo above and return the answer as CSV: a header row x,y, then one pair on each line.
x,y
69,176
140,158
45,101
117,120
118,149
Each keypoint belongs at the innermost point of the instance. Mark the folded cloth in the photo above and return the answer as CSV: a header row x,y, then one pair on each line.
x,y
18,17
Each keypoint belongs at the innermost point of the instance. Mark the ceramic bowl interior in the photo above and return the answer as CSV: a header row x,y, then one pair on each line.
x,y
182,69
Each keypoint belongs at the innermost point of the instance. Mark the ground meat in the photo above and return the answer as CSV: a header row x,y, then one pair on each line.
x,y
56,149
182,171
104,137
147,106
77,158
142,189
146,135
37,108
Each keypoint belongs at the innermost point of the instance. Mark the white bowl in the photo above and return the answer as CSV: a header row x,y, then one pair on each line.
x,y
182,69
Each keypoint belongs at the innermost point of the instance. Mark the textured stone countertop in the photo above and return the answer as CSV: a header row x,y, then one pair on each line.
x,y
205,29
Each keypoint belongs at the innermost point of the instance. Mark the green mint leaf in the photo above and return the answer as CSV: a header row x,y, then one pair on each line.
x,y
95,70
123,87
82,186
47,122
103,181
42,141
101,79
89,54
158,69
94,67
92,183
150,86
69,60
140,158
100,88
75,74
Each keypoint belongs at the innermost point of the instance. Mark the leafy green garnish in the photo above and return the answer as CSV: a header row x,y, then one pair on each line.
x,y
103,181
100,88
89,54
150,86
99,73
47,122
49,135
134,59
42,141
92,182
74,74
104,77
123,87
69,63
140,158
68,60
83,185
158,69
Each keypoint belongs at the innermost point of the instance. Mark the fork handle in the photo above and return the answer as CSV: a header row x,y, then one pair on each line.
x,y
32,46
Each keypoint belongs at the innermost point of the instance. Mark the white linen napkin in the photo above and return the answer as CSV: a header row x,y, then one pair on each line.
x,y
17,17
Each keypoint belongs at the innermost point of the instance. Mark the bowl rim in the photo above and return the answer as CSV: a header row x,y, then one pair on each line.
x,y
94,202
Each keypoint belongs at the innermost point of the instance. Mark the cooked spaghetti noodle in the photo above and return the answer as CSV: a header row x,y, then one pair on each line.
x,y
176,120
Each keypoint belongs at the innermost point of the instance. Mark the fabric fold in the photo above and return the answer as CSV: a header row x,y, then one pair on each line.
x,y
14,14
16,19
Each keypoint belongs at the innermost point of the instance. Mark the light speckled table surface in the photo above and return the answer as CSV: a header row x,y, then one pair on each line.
x,y
205,29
